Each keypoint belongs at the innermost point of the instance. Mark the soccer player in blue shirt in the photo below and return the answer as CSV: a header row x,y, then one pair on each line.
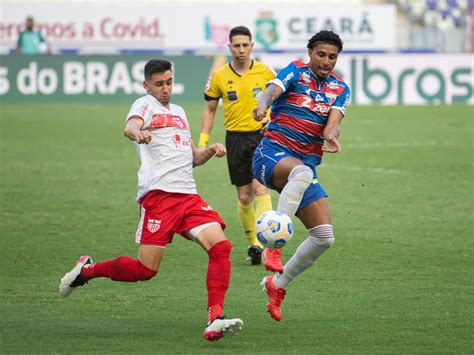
x,y
308,103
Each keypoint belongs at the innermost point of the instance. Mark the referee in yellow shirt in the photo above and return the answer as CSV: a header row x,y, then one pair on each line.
x,y
239,83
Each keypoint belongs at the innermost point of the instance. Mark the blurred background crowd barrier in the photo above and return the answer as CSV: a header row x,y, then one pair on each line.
x,y
411,52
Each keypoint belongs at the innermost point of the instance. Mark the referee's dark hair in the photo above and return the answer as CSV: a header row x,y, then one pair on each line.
x,y
239,31
324,36
156,66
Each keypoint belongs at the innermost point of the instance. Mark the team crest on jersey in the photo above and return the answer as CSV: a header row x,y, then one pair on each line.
x,y
331,97
256,92
153,225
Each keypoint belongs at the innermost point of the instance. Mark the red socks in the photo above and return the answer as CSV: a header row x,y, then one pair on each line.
x,y
122,268
128,269
218,276
213,312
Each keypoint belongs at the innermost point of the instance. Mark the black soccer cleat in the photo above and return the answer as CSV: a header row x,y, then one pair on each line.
x,y
254,255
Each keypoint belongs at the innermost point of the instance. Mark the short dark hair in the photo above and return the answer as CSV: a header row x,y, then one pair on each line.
x,y
239,31
156,66
328,37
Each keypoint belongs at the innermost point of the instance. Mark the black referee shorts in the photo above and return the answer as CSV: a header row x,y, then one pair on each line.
x,y
240,147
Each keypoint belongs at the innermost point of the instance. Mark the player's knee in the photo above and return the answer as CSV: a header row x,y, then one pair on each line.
x,y
323,235
245,200
220,249
301,173
144,273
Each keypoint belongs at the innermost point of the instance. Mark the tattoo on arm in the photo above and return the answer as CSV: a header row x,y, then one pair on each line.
x,y
267,97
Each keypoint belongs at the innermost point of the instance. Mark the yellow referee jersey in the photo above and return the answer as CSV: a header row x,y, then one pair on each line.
x,y
239,94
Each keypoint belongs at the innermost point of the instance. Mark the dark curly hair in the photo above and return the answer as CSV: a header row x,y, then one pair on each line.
x,y
328,37
156,66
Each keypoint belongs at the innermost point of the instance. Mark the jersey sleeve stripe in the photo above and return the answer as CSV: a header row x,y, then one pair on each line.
x,y
135,116
210,98
343,111
277,82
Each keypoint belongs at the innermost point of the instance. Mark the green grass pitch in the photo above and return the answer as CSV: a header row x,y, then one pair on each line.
x,y
399,278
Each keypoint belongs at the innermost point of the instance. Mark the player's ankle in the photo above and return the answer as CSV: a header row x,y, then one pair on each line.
x,y
213,312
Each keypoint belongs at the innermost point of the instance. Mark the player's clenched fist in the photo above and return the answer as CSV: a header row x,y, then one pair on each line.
x,y
259,113
143,136
218,149
332,145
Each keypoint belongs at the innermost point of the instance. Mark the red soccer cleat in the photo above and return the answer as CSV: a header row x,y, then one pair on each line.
x,y
272,260
275,297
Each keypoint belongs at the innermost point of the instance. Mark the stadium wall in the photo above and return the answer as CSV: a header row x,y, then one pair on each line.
x,y
374,79
197,27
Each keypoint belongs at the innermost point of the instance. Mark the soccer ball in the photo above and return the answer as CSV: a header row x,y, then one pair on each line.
x,y
274,229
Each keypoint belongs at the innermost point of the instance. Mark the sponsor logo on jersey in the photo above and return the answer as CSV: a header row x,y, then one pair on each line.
x,y
288,78
322,109
181,142
162,120
333,85
306,77
280,153
319,98
153,225
143,110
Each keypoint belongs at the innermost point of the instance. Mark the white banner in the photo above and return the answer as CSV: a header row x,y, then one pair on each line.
x,y
390,79
195,26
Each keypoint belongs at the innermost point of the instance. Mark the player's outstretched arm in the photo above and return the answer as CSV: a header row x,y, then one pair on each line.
x,y
266,100
133,131
331,132
202,155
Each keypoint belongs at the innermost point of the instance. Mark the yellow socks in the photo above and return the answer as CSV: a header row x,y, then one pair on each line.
x,y
247,220
263,203
248,216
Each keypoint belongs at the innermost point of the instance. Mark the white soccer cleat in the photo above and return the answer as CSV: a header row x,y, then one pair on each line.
x,y
222,327
73,278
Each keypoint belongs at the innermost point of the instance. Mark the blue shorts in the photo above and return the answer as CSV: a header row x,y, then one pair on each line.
x,y
265,159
